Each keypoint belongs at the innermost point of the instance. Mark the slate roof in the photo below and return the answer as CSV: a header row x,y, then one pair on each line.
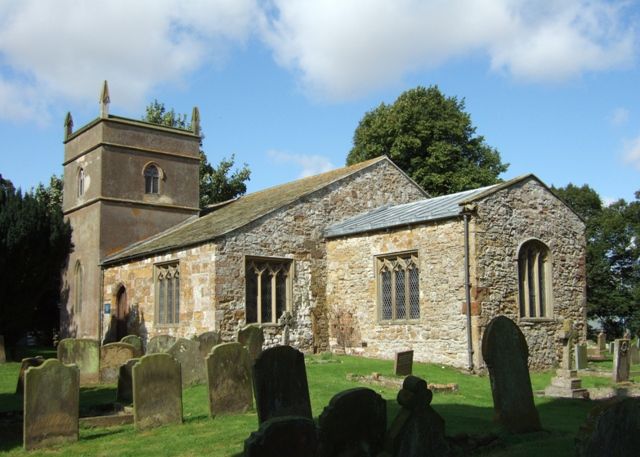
x,y
226,218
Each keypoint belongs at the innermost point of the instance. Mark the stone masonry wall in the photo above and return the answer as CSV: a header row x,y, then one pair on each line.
x,y
440,335
504,221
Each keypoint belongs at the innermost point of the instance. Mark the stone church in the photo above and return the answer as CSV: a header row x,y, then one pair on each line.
x,y
359,259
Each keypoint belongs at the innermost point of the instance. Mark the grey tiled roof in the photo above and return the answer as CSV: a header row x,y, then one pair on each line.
x,y
431,209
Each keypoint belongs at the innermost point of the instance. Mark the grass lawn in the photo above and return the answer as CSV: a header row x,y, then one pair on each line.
x,y
469,410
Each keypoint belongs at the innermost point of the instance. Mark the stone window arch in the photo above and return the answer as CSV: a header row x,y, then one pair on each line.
x,y
152,175
535,289
78,287
268,288
398,281
80,184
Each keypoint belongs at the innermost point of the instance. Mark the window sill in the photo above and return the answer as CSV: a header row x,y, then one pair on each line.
x,y
265,324
167,325
403,322
535,320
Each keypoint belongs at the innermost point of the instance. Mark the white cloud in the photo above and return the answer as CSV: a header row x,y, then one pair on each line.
x,y
632,152
311,164
620,116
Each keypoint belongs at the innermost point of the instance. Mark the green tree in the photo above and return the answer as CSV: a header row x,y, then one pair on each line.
x,y
430,137
217,184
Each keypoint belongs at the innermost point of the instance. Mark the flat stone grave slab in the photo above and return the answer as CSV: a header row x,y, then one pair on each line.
x,y
157,391
124,393
51,404
252,337
112,357
187,353
136,342
85,354
229,379
160,343
403,363
283,437
505,352
207,341
280,384
24,366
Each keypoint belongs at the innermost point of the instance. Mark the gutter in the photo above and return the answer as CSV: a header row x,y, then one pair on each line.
x,y
467,288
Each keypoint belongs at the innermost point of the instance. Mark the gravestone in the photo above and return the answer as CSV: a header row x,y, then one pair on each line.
x,y
580,355
280,384
566,383
611,430
634,354
207,341
157,391
136,342
287,436
112,357
160,343
124,394
403,364
24,366
51,403
251,337
417,430
229,379
187,353
85,354
602,342
286,321
611,345
354,421
621,361
505,352
3,353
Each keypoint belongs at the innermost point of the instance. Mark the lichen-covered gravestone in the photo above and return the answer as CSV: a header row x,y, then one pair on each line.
x,y
51,403
207,341
3,354
187,353
85,354
602,342
505,352
229,379
157,391
621,361
581,359
611,430
354,423
288,436
160,343
24,366
112,357
136,342
124,394
252,337
280,384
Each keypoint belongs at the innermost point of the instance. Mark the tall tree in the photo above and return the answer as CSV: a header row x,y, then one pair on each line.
x,y
430,136
217,184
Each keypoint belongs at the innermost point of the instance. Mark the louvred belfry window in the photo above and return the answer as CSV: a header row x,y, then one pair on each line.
x,y
268,289
398,287
167,293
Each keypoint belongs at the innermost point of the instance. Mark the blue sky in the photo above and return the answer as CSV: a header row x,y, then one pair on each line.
x,y
553,85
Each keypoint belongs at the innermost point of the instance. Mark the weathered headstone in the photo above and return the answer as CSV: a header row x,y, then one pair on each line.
x,y
417,430
85,354
3,353
24,366
634,354
112,357
602,342
580,355
355,420
124,394
157,391
621,361
51,404
403,364
611,430
252,337
229,379
136,342
207,341
160,343
280,384
505,352
566,383
187,353
611,346
287,436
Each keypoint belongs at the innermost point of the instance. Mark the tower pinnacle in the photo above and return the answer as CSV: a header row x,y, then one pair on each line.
x,y
104,100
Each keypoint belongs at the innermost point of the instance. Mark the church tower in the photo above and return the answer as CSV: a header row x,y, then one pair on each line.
x,y
124,181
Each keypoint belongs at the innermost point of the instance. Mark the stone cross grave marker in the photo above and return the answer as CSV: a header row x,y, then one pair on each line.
x,y
124,393
567,336
157,391
602,342
187,353
112,357
280,384
51,404
286,320
505,352
3,353
288,436
136,342
417,430
403,364
85,354
24,366
355,419
207,341
229,379
160,343
251,337
566,383
621,361
580,354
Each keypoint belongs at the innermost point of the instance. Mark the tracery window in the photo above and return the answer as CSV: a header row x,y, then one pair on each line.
x,y
398,287
268,288
80,182
534,279
167,293
151,179
77,278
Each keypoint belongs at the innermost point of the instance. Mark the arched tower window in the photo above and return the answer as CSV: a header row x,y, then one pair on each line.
x,y
81,182
534,279
151,179
77,278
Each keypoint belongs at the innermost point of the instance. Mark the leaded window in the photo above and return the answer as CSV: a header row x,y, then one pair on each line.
x,y
151,179
534,279
398,287
167,293
268,289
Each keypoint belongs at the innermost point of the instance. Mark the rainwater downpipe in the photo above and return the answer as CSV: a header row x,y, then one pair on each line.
x,y
467,289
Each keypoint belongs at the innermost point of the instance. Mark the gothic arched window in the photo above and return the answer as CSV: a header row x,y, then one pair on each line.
x,y
534,279
151,179
398,287
268,289
80,182
77,279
